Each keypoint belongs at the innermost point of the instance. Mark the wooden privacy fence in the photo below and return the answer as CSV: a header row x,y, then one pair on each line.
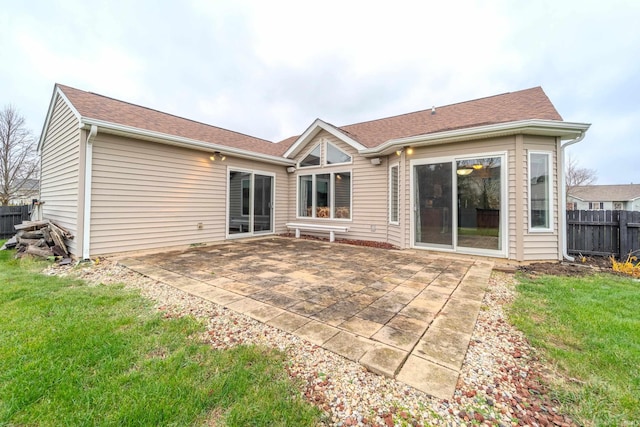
x,y
10,216
603,233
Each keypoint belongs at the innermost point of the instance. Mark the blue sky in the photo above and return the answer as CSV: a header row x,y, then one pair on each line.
x,y
269,69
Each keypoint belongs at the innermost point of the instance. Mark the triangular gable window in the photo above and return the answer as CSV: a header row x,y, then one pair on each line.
x,y
336,156
312,159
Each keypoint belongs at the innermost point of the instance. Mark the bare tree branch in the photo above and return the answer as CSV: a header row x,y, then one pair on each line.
x,y
18,156
576,176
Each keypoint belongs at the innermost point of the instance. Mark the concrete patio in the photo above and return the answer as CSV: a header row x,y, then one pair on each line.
x,y
405,314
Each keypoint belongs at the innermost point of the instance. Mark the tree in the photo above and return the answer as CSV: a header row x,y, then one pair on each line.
x,y
18,157
576,176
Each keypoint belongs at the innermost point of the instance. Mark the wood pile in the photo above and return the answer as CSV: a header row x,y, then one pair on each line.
x,y
40,238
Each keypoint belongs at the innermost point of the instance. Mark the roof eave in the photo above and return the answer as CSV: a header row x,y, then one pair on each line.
x,y
147,135
564,130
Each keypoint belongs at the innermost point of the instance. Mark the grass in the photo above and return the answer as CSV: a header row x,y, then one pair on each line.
x,y
73,354
589,327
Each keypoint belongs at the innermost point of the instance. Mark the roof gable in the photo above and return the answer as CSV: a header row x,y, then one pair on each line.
x,y
318,125
98,107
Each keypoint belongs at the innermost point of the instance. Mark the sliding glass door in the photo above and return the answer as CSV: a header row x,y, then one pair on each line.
x,y
479,197
250,203
433,185
458,204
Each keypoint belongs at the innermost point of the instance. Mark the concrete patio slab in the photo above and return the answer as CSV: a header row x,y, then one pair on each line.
x,y
443,346
384,360
316,332
288,322
401,339
362,327
404,314
349,345
429,377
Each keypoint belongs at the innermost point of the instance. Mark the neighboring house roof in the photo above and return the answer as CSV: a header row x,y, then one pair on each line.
x,y
98,107
606,193
30,184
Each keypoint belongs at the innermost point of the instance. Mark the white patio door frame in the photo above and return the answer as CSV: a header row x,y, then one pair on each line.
x,y
251,216
504,204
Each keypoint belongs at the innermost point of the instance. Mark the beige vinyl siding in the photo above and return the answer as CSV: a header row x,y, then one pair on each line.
x,y
542,245
149,195
369,192
60,157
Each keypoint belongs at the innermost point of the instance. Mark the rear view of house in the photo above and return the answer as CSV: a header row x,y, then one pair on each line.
x,y
479,177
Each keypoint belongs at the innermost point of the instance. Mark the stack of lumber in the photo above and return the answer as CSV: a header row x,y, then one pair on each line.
x,y
39,238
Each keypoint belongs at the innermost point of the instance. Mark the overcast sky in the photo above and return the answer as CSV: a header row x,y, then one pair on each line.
x,y
269,68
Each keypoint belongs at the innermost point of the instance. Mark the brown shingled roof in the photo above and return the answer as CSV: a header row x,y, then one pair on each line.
x,y
514,106
99,107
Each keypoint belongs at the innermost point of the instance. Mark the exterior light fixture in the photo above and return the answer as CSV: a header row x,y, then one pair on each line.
x,y
291,169
398,152
218,156
376,161
409,151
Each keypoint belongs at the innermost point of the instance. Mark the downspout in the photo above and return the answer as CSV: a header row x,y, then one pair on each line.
x,y
88,157
563,207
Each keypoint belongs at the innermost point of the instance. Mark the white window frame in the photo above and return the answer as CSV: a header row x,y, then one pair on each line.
x,y
504,204
332,188
253,172
549,185
397,201
306,154
326,155
600,204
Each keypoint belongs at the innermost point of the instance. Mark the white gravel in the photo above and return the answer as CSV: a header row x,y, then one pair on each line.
x,y
500,383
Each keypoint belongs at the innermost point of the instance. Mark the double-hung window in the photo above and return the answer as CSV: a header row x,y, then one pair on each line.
x,y
540,191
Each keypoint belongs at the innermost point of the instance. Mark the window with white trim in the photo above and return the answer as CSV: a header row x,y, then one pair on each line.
x,y
596,206
325,195
312,159
394,194
540,191
336,156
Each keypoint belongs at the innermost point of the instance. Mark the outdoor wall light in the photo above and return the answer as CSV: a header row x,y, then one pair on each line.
x,y
219,156
291,169
376,161
409,151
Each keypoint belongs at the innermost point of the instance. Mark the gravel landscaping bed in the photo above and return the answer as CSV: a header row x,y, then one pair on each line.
x,y
502,380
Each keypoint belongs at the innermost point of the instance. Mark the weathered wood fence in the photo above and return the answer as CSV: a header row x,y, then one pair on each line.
x,y
603,233
10,216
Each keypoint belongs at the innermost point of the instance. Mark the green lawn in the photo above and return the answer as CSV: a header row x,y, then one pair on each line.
x,y
73,354
589,327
